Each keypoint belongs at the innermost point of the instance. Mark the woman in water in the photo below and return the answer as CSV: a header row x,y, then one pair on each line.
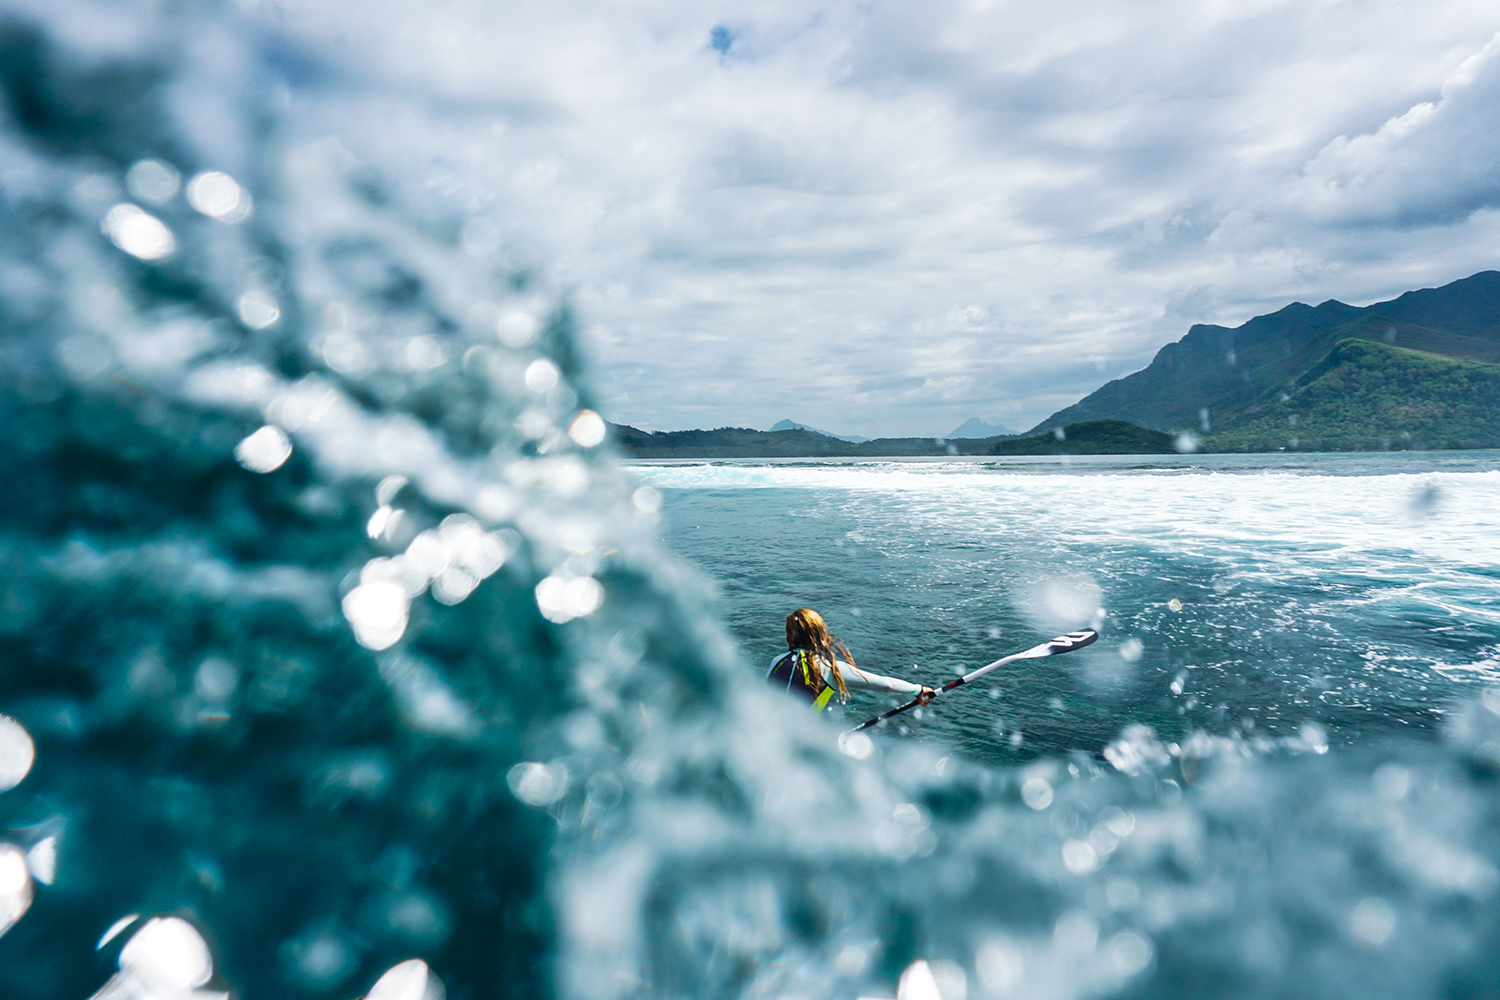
x,y
812,669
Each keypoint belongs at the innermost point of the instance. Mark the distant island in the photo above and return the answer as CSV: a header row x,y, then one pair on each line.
x,y
1421,371
745,442
1095,437
976,428
788,425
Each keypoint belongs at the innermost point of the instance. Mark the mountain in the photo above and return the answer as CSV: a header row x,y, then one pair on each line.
x,y
1092,437
1422,370
1366,396
787,425
976,428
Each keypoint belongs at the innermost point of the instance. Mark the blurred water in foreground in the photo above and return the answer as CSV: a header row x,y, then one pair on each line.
x,y
336,660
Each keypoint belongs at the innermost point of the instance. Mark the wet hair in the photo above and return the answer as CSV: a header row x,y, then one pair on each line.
x,y
805,629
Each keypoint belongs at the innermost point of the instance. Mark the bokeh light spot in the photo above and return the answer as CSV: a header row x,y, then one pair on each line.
x,y
1372,922
258,310
378,613
918,983
17,753
115,929
153,180
1129,953
647,499
41,860
169,953
15,886
264,451
562,598
1080,857
587,429
856,745
410,980
541,375
138,232
516,328
537,784
219,196
1036,793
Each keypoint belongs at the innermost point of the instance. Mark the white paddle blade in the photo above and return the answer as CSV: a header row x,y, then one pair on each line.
x,y
1071,641
1062,644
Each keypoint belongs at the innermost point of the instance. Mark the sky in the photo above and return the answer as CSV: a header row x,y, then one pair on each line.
x,y
884,218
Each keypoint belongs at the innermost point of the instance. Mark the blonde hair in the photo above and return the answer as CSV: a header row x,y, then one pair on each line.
x,y
805,629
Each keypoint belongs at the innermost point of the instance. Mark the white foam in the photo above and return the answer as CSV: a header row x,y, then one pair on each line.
x,y
1329,521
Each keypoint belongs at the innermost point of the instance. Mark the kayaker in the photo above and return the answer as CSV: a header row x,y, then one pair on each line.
x,y
813,670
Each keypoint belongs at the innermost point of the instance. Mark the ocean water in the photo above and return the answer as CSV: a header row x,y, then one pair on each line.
x,y
1245,596
340,658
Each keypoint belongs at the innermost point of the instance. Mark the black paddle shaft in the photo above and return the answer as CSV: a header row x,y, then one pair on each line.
x,y
1062,644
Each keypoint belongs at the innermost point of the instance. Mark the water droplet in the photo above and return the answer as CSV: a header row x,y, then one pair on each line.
x,y
219,196
1036,793
541,375
153,180
168,955
1129,953
562,598
587,429
537,784
15,886
1371,922
856,745
517,328
265,450
17,753
647,500
258,310
138,232
1079,857
918,983
411,980
378,612
41,860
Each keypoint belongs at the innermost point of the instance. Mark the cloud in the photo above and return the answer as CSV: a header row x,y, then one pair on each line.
x,y
1435,163
886,218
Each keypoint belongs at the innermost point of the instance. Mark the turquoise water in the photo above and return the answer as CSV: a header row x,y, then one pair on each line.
x,y
1355,592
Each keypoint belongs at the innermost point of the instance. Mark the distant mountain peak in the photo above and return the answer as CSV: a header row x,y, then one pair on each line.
x,y
976,428
791,425
1292,379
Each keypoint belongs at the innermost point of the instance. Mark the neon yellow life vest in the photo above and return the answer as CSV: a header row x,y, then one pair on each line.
x,y
798,673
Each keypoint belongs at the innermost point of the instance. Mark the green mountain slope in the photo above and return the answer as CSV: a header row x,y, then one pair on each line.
x,y
1093,437
1368,395
1218,381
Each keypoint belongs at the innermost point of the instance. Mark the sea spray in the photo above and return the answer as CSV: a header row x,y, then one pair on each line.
x,y
292,478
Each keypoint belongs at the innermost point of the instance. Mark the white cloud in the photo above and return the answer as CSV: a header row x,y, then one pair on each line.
x,y
886,218
1436,163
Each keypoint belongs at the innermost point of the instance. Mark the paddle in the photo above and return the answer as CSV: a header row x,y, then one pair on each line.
x,y
1062,644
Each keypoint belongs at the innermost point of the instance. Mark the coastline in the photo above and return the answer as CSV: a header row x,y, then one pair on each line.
x,y
1328,463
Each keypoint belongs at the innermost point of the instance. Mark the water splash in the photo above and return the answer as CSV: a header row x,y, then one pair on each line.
x,y
400,700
